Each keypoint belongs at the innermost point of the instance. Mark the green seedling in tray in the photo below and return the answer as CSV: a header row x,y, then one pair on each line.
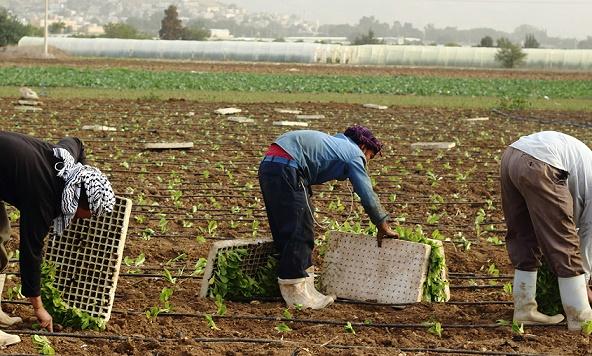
x,y
61,312
434,287
229,281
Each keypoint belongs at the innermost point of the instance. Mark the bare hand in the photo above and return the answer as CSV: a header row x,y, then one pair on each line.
x,y
44,318
385,231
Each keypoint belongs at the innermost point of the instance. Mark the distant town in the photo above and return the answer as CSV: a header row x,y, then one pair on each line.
x,y
86,18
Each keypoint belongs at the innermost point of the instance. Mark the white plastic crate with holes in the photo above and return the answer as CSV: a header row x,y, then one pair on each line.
x,y
354,267
259,251
88,259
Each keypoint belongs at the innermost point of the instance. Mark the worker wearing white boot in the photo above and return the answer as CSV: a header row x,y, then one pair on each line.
x,y
294,162
50,186
546,181
5,320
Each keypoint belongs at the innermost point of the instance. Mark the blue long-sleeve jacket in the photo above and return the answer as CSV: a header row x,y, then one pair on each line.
x,y
322,158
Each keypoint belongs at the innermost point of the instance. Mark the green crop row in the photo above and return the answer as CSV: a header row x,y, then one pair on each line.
x,y
119,78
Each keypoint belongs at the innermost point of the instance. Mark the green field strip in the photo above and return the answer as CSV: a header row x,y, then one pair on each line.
x,y
125,79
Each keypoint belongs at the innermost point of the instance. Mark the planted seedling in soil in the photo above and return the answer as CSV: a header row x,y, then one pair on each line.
x,y
42,345
283,328
434,328
349,328
211,324
134,262
199,267
587,327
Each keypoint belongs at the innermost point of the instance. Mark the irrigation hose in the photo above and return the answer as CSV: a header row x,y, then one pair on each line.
x,y
262,341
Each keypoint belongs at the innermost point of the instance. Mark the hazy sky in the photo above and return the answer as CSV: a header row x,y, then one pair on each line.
x,y
565,18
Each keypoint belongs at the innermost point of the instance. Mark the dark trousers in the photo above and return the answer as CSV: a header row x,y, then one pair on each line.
x,y
287,204
538,209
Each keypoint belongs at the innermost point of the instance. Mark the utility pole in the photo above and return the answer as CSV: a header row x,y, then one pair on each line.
x,y
45,53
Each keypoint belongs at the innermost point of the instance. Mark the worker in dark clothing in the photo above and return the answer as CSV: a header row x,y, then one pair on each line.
x,y
50,185
294,162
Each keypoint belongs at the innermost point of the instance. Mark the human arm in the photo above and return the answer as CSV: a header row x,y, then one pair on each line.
x,y
44,318
363,187
32,232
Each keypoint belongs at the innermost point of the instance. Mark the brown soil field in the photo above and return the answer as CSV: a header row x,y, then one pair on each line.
x,y
218,182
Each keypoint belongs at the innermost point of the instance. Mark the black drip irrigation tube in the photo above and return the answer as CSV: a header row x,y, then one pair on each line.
x,y
333,321
266,341
543,121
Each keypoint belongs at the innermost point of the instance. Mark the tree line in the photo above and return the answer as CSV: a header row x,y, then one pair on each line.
x,y
12,30
368,30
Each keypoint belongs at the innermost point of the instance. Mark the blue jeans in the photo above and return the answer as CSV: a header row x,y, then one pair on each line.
x,y
287,204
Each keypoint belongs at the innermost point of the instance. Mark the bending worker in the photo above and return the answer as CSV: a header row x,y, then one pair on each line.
x,y
50,185
294,162
546,181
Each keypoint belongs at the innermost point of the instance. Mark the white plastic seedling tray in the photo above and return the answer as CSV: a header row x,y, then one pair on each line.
x,y
288,111
310,117
290,123
259,252
88,259
168,145
375,106
354,267
433,145
241,119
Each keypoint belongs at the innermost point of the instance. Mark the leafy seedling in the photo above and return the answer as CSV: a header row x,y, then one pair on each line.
x,y
517,328
42,345
435,328
349,328
152,313
13,293
494,240
200,266
503,322
286,314
434,288
134,262
169,277
61,312
220,305
508,288
211,324
283,328
587,327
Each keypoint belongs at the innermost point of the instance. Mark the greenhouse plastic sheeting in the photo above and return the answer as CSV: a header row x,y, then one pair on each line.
x,y
196,50
470,57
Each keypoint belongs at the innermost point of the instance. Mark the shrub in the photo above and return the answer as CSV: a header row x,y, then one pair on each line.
x,y
509,54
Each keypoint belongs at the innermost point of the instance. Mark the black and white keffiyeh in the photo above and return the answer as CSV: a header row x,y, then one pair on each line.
x,y
98,189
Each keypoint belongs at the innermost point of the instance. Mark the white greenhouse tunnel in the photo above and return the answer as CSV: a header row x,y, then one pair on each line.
x,y
290,52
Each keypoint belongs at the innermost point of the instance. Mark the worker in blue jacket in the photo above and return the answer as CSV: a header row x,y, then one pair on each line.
x,y
292,164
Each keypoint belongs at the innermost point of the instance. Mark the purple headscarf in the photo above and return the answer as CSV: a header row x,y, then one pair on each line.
x,y
363,136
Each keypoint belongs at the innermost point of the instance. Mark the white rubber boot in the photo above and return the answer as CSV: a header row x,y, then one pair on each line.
x,y
574,298
310,281
525,305
5,319
8,339
296,291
